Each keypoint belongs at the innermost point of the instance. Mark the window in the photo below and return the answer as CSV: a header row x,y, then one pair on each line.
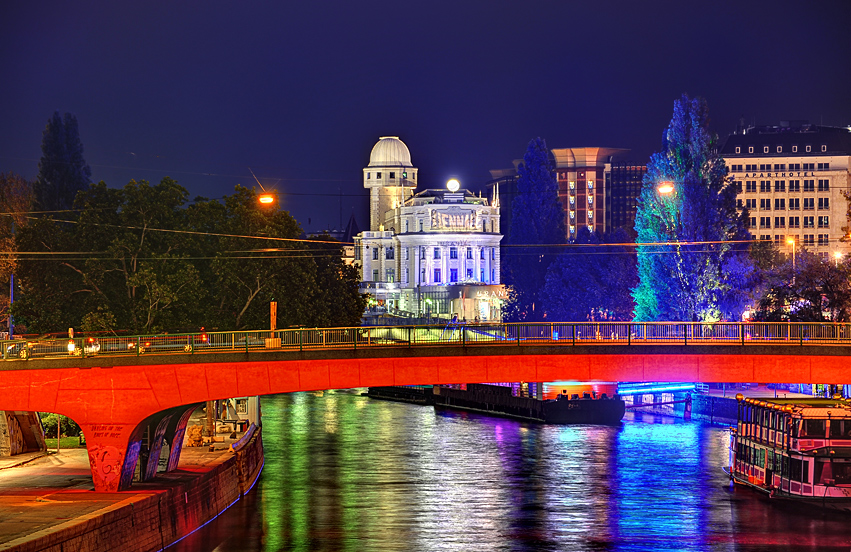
x,y
738,149
809,203
824,166
780,204
493,253
823,203
453,274
422,252
735,168
780,222
824,222
809,166
493,275
823,147
391,275
436,253
779,185
374,253
794,222
764,149
822,239
482,275
794,204
752,222
750,149
482,253
779,149
779,239
794,185
389,254
765,204
764,185
809,239
469,273
794,149
469,252
367,176
794,166
436,275
750,168
375,275
407,252
453,252
823,185
809,222
765,167
809,186
765,222
765,237
421,226
422,275
750,186
750,204
378,175
406,226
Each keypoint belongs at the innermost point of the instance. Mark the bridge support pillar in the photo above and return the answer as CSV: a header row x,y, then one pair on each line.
x,y
113,453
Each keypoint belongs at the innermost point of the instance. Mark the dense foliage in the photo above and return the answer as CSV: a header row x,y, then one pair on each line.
x,y
537,222
592,278
16,195
62,170
692,267
139,259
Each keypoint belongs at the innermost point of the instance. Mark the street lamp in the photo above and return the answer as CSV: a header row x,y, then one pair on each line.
x,y
453,185
428,309
791,242
266,199
837,255
665,188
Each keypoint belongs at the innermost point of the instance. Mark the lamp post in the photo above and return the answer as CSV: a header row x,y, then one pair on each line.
x,y
428,309
791,242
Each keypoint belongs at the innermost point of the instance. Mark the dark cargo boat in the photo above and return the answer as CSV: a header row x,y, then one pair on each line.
x,y
498,400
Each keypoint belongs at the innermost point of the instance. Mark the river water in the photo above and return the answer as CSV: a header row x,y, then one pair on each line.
x,y
344,472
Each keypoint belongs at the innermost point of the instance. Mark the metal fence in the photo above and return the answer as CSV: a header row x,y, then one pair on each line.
x,y
461,335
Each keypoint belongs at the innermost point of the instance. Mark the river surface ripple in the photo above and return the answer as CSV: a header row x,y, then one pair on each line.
x,y
345,472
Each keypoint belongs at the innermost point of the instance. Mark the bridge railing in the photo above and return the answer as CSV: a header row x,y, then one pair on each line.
x,y
463,335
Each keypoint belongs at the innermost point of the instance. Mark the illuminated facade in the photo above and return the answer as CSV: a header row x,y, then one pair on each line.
x,y
435,253
792,178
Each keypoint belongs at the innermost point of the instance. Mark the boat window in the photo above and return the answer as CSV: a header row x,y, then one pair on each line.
x,y
812,428
795,467
841,472
840,429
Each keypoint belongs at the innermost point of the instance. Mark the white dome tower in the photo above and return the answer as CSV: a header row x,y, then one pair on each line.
x,y
390,178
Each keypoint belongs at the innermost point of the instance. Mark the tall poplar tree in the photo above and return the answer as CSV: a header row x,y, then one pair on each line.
x,y
62,170
537,220
691,266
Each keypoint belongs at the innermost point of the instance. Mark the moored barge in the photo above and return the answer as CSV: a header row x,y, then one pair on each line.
x,y
796,449
498,400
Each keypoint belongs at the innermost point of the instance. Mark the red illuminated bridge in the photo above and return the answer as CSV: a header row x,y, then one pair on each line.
x,y
116,387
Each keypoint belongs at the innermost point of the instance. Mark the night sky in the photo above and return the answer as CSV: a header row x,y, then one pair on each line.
x,y
300,91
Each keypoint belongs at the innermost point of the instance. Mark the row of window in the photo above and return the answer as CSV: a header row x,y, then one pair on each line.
x,y
453,275
807,239
572,185
392,175
779,149
390,254
780,204
794,222
780,186
779,167
484,225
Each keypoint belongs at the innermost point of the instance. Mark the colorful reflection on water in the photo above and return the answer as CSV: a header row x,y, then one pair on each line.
x,y
344,472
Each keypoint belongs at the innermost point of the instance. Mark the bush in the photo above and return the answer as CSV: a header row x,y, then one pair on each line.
x,y
48,421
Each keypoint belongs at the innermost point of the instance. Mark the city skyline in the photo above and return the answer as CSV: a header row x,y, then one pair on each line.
x,y
299,95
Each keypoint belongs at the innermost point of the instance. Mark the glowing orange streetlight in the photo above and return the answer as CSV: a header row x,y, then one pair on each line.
x,y
266,199
665,187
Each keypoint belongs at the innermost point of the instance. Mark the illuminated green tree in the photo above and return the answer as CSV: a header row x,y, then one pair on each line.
x,y
692,265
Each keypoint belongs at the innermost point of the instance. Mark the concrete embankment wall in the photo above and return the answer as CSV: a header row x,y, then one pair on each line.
x,y
150,522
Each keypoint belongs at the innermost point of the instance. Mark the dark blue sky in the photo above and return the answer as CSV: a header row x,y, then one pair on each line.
x,y
300,91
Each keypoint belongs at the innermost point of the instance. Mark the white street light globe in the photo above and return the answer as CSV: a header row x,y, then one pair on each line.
x,y
453,185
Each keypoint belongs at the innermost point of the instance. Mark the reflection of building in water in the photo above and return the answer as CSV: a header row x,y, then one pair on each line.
x,y
431,253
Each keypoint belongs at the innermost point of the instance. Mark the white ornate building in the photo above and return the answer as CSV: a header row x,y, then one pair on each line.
x,y
435,252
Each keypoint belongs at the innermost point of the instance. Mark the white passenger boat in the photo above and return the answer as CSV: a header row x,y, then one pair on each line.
x,y
796,449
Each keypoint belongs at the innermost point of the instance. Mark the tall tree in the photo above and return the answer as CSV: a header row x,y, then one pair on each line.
x,y
16,195
62,170
686,270
537,222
